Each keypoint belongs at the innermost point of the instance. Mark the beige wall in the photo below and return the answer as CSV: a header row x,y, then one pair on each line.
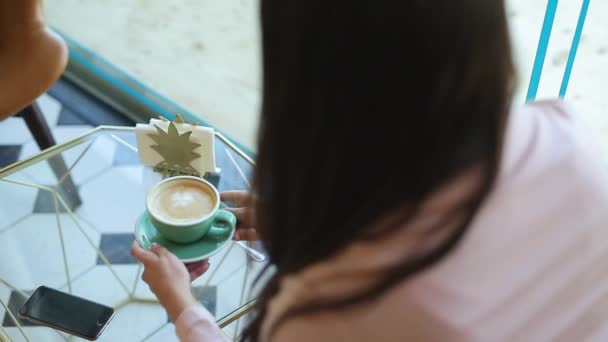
x,y
202,54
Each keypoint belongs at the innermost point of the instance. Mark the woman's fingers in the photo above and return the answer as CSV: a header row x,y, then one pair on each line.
x,y
243,215
240,198
196,269
196,265
195,273
159,250
142,255
246,234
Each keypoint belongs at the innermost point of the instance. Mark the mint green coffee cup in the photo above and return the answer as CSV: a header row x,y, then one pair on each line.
x,y
185,209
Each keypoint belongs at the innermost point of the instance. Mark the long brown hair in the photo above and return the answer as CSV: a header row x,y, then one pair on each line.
x,y
369,107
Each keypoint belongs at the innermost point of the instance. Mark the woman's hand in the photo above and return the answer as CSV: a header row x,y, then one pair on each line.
x,y
197,269
167,277
245,214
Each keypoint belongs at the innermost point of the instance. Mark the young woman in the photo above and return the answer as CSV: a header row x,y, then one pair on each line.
x,y
399,195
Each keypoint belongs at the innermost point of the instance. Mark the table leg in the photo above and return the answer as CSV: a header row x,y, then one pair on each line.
x,y
44,138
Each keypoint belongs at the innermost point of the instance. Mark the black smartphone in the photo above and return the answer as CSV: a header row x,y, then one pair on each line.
x,y
68,313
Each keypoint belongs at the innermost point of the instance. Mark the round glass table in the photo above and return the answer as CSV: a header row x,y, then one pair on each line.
x,y
67,219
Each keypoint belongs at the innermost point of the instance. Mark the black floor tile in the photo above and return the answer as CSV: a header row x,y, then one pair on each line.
x,y
15,302
45,202
90,110
117,248
9,154
206,296
67,117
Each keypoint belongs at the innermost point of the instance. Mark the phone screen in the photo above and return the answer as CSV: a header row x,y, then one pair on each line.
x,y
67,312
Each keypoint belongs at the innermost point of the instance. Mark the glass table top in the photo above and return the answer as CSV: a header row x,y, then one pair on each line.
x,y
66,221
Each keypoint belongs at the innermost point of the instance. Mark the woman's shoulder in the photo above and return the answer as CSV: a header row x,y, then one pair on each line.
x,y
540,228
556,108
548,135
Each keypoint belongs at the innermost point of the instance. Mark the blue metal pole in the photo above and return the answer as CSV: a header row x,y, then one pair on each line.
x,y
575,42
541,51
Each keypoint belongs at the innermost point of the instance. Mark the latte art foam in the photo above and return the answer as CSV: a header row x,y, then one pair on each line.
x,y
183,201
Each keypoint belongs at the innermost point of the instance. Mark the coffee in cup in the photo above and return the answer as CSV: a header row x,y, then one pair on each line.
x,y
184,209
183,201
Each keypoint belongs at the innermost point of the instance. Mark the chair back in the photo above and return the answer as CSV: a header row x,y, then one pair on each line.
x,y
32,57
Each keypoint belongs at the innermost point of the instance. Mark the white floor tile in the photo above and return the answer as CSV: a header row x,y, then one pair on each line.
x,y
83,161
229,293
50,108
21,200
65,133
13,131
113,201
234,260
252,286
166,334
34,248
230,331
134,322
143,290
35,334
17,272
60,133
5,294
100,284
28,149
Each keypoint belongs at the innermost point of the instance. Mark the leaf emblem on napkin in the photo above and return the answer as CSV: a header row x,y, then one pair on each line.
x,y
176,150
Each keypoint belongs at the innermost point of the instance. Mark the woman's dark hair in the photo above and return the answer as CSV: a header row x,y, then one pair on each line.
x,y
369,107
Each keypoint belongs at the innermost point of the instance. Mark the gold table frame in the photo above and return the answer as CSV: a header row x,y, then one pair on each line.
x,y
59,202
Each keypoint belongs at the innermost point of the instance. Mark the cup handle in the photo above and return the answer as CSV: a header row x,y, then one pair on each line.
x,y
228,221
145,243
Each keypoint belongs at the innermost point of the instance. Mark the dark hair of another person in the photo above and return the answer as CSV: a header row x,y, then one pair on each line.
x,y
370,107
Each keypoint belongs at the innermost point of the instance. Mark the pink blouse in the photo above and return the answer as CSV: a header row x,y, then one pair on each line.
x,y
532,267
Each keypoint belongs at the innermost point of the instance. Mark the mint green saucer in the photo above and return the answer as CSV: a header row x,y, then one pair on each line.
x,y
146,234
